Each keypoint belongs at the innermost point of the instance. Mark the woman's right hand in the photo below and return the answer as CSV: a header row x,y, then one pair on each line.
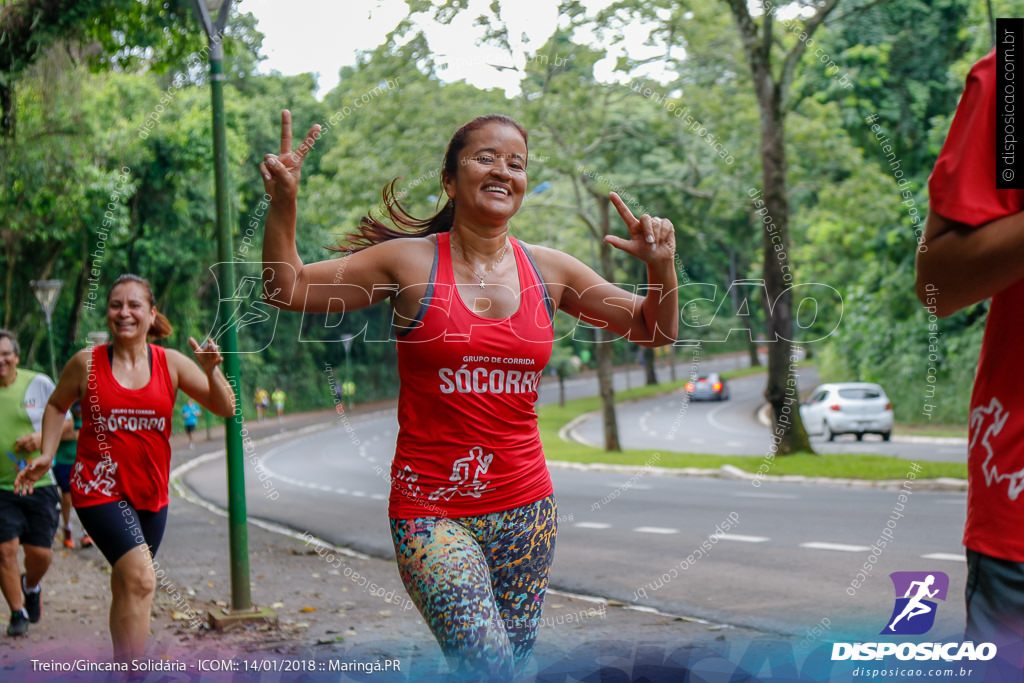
x,y
281,172
29,475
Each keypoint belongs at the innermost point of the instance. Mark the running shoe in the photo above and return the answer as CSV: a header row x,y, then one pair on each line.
x,y
33,602
86,541
69,538
18,625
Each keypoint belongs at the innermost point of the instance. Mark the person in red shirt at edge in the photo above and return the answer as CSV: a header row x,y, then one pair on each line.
x,y
472,515
973,249
119,484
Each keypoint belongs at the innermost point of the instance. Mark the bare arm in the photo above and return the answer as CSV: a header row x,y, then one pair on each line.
x,y
651,320
355,281
959,265
204,382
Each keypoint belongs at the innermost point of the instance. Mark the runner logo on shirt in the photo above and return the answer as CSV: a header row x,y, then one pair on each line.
x,y
986,423
19,462
460,475
103,477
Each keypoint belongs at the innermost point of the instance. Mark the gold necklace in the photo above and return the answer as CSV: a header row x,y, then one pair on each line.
x,y
487,272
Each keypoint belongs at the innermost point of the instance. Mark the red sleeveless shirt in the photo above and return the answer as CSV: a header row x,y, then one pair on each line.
x,y
468,442
123,447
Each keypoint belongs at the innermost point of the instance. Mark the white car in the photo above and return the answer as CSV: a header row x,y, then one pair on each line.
x,y
856,408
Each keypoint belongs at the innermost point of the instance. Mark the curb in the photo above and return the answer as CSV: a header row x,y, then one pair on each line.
x,y
728,471
186,493
568,433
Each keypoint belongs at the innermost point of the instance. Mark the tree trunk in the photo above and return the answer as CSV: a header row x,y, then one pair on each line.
x,y
788,431
11,258
7,111
561,389
80,284
603,354
604,347
672,362
755,361
652,377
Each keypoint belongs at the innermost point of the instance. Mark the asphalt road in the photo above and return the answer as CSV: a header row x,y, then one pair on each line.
x,y
786,564
730,427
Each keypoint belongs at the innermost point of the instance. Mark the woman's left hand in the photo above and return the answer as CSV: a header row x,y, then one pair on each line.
x,y
208,355
651,239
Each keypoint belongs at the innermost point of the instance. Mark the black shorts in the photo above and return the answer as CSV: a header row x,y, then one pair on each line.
x,y
32,518
190,428
117,527
62,473
995,602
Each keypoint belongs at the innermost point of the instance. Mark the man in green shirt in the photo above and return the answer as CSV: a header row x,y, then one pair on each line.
x,y
30,521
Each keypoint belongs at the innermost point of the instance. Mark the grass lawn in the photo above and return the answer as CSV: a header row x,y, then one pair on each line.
x,y
552,418
930,430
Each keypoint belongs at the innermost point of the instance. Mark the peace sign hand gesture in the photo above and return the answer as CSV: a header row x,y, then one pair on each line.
x,y
651,239
208,355
281,172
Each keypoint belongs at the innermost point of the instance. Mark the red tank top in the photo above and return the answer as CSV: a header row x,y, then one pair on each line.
x,y
123,447
468,442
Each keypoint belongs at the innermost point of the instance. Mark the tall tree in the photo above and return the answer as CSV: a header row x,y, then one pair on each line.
x,y
773,84
604,137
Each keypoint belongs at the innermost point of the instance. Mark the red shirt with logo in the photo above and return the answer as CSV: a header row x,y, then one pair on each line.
x,y
962,188
124,450
468,442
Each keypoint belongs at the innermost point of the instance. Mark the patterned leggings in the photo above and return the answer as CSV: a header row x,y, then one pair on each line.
x,y
479,583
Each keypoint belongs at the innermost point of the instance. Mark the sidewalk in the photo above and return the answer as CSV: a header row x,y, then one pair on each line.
x,y
324,612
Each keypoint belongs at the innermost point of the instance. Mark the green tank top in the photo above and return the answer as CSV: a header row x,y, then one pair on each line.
x,y
21,413
67,450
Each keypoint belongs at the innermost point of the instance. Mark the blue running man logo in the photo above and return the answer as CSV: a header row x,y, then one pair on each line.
x,y
19,462
914,613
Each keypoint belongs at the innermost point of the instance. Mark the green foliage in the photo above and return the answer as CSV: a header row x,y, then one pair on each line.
x,y
116,145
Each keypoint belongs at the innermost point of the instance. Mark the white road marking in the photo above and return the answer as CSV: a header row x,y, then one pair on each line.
x,y
359,494
378,496
655,530
944,556
836,546
743,539
643,423
718,425
734,444
779,496
341,491
592,525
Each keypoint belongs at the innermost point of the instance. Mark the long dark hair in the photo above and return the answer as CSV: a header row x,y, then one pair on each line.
x,y
371,231
161,326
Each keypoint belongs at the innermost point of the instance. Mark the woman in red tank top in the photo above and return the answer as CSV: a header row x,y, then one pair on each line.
x,y
472,514
119,484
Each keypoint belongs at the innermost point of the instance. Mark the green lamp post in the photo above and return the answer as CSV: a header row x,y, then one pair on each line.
x,y
241,602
